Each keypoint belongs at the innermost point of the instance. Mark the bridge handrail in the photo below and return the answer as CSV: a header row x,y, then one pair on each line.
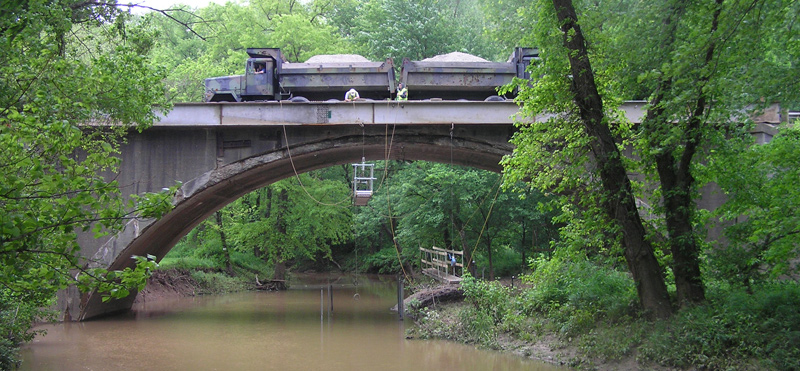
x,y
437,257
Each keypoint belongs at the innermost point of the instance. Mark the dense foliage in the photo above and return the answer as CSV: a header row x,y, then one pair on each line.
x,y
592,309
710,73
63,65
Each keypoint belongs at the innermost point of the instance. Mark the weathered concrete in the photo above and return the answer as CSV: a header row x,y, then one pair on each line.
x,y
220,152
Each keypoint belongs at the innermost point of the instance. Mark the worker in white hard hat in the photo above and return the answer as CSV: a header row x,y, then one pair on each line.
x,y
351,95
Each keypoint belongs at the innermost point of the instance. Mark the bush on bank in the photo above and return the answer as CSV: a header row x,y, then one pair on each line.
x,y
17,317
592,308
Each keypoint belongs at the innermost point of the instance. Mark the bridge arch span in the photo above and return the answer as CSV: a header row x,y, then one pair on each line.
x,y
479,146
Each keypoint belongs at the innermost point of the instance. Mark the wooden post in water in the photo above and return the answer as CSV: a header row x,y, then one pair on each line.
x,y
330,297
321,304
400,309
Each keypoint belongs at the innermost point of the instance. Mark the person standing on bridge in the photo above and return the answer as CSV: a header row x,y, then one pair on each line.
x,y
351,95
402,92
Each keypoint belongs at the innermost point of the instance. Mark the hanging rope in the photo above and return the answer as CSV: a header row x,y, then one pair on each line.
x,y
291,160
388,201
485,222
452,196
355,247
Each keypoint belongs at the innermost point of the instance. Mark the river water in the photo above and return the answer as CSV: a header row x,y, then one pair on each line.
x,y
288,330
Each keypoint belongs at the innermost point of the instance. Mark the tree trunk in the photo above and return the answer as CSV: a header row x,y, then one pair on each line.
x,y
489,252
679,207
225,252
279,271
620,203
522,245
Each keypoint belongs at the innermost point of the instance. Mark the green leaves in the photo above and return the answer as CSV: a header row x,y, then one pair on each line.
x,y
761,183
71,85
283,222
118,284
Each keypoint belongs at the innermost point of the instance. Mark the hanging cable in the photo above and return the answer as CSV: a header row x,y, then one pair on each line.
x,y
388,142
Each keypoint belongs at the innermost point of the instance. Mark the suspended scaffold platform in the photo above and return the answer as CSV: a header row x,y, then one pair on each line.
x,y
363,178
443,265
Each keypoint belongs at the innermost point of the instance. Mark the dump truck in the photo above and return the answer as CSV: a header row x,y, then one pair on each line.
x,y
463,76
269,76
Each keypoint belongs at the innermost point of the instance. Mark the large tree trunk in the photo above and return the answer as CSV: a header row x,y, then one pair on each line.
x,y
620,203
279,271
677,182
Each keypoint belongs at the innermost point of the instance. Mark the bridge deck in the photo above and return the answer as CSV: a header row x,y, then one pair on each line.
x,y
441,276
362,113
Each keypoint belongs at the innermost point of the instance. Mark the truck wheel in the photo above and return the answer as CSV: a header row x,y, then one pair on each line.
x,y
494,98
298,99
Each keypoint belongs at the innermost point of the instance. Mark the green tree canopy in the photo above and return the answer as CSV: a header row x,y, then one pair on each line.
x,y
73,79
704,68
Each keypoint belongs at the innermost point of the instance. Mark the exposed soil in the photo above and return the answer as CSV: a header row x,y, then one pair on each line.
x,y
167,284
176,283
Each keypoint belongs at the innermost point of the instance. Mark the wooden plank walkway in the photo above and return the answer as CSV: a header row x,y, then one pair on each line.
x,y
441,276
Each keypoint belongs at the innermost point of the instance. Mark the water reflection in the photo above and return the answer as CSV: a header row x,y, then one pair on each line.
x,y
288,330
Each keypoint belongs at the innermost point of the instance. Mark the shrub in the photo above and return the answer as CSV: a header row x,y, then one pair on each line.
x,y
487,298
479,327
732,329
385,261
187,263
576,294
251,264
506,262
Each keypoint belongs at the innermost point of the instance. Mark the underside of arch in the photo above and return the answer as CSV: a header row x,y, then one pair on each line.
x,y
198,198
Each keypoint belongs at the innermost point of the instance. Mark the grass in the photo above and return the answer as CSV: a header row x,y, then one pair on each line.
x,y
211,275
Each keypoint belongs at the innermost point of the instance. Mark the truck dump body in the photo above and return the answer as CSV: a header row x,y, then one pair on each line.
x,y
455,80
322,81
471,80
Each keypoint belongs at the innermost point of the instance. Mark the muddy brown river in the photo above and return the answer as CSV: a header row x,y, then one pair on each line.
x,y
289,330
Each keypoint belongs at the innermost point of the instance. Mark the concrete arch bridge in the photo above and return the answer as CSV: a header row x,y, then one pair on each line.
x,y
221,151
